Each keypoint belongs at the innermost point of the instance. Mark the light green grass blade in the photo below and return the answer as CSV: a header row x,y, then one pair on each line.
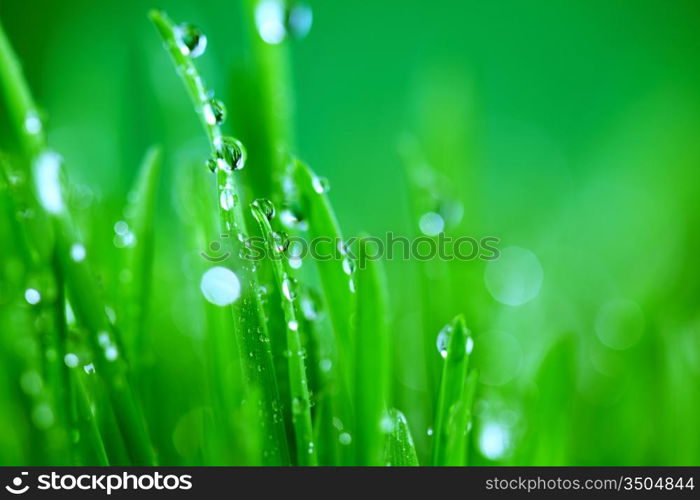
x,y
399,448
371,357
452,390
299,390
247,311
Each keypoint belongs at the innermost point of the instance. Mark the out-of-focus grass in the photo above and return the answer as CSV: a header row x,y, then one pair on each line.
x,y
581,160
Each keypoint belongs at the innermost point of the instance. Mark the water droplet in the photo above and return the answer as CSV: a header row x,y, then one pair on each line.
x,y
515,278
214,112
43,416
103,339
280,241
47,177
348,266
89,368
326,365
320,184
386,424
299,20
71,360
351,285
431,224
121,228
619,323
77,252
32,122
429,432
270,21
443,341
295,262
32,296
308,308
494,440
211,164
345,438
190,40
227,199
230,153
111,353
266,207
293,325
292,220
288,288
220,286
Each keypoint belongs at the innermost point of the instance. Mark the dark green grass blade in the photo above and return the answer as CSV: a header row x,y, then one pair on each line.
x,y
298,385
452,390
399,448
371,357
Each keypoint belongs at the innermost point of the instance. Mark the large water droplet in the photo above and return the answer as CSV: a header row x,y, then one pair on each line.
x,y
431,224
214,112
266,207
515,278
47,170
220,286
190,40
494,440
230,153
288,288
443,340
32,122
77,252
32,296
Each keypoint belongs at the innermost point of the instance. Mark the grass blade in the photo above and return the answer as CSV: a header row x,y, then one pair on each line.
x,y
372,354
399,448
227,156
139,257
299,389
452,389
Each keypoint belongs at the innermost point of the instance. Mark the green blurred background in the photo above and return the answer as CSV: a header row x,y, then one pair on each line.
x,y
568,130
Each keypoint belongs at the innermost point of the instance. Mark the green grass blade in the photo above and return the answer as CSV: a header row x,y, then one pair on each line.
x,y
299,389
399,448
459,424
247,312
372,354
452,388
323,227
139,257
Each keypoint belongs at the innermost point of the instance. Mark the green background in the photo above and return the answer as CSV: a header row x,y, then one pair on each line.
x,y
568,129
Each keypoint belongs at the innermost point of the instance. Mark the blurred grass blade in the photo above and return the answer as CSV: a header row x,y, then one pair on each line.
x,y
299,389
372,375
85,419
139,257
399,448
47,172
452,387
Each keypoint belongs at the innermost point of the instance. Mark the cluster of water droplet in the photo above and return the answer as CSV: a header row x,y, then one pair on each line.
x,y
229,154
